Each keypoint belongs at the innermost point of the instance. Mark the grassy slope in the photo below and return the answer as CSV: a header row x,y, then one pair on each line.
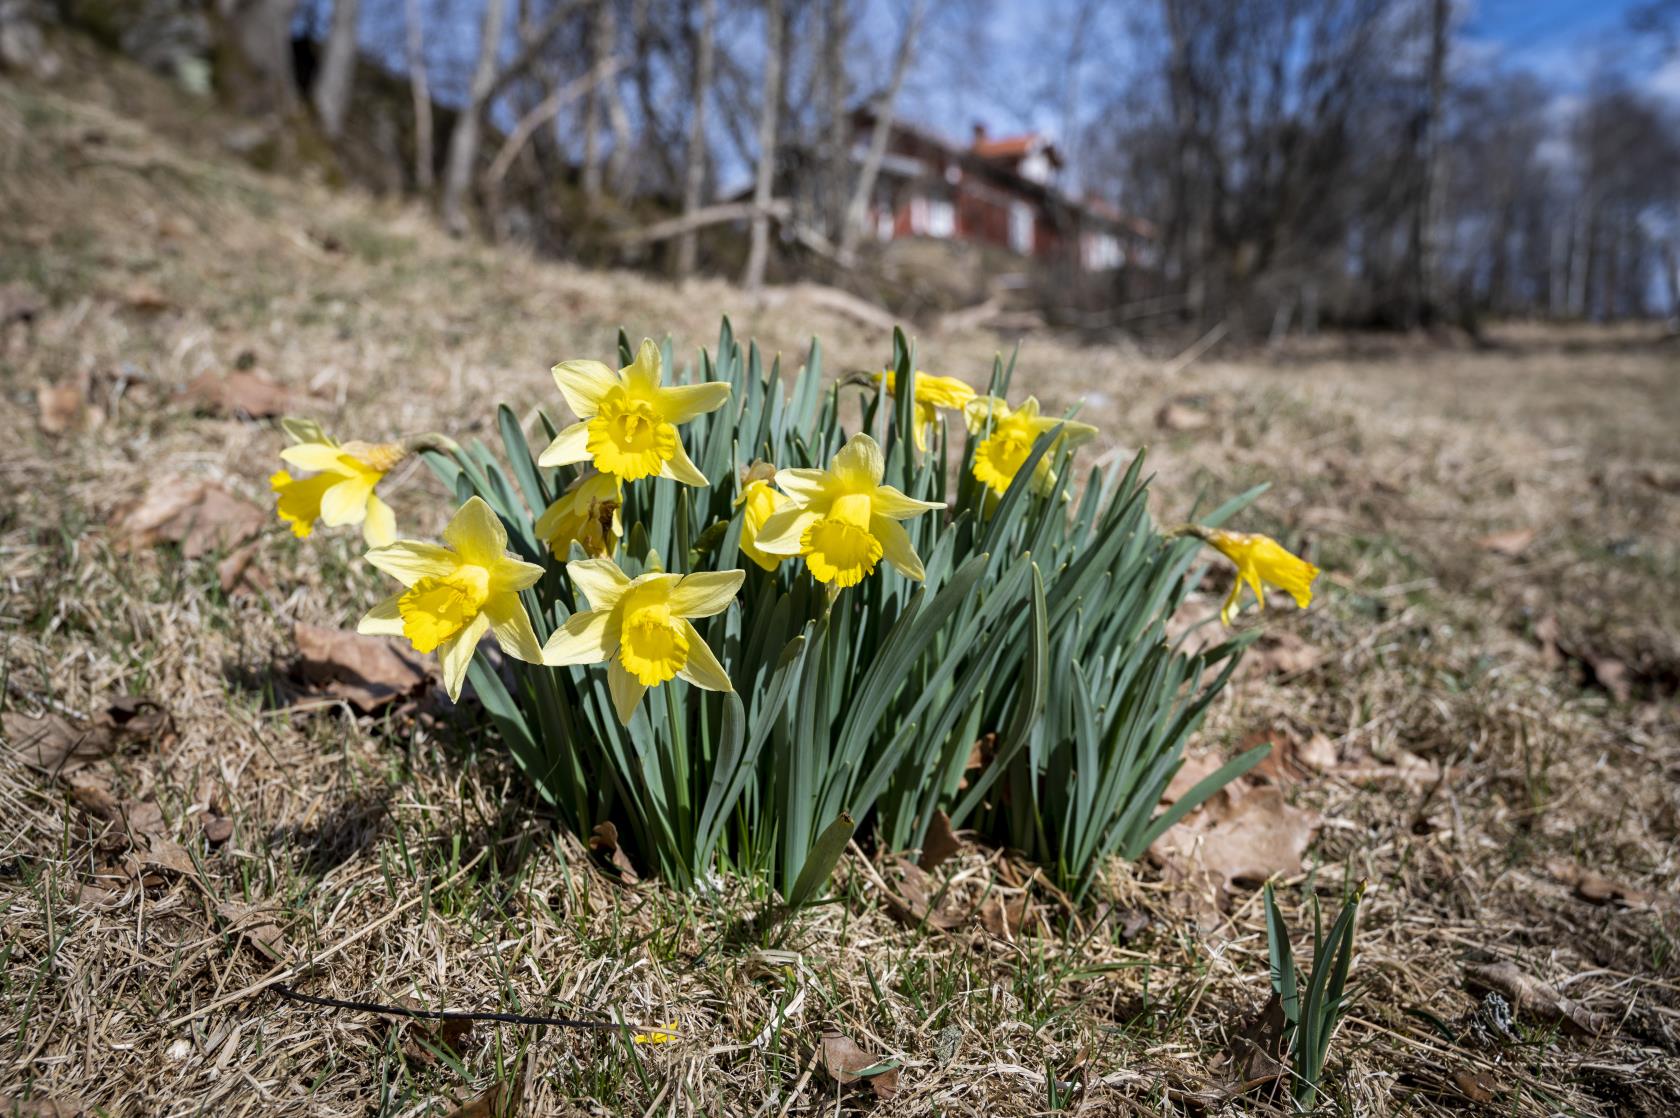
x,y
408,853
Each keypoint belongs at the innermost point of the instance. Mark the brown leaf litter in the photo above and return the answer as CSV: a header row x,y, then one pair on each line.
x,y
201,517
370,673
847,1063
62,746
242,394
1535,998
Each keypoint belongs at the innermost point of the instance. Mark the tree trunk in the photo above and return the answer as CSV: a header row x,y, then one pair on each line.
x,y
612,100
253,60
464,137
758,254
338,69
858,209
1426,216
694,158
425,169
836,91
599,50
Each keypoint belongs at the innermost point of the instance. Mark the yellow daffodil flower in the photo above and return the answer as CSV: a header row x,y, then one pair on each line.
x,y
341,491
1004,450
627,420
759,502
842,520
586,512
1259,560
641,627
455,593
932,393
665,1034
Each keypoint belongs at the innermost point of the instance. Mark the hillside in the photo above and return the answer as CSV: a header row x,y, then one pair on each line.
x,y
1477,717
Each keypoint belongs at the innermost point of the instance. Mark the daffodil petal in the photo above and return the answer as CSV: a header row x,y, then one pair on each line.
x,y
512,628
570,445
782,530
705,593
681,403
476,533
896,547
859,463
680,467
456,653
315,456
514,574
600,580
383,620
626,690
585,638
346,502
804,486
583,383
1075,433
895,505
702,668
409,561
983,409
644,375
379,529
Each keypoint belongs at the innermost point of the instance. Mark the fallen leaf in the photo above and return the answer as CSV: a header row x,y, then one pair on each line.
x,y
64,408
1291,758
1191,772
915,899
846,1063
254,924
62,747
20,303
367,672
241,394
166,855
1477,1086
941,842
500,1101
423,1040
1528,994
1598,889
1283,653
1255,1055
1004,917
603,841
143,296
1611,674
1510,544
238,571
217,829
1182,415
199,516
1550,636
1230,840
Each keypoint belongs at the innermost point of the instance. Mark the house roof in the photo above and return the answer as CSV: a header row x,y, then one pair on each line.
x,y
1015,147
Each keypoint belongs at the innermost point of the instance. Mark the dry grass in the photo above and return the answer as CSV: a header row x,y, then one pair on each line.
x,y
401,856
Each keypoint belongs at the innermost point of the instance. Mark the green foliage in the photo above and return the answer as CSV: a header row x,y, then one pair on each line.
x,y
1310,1016
1040,625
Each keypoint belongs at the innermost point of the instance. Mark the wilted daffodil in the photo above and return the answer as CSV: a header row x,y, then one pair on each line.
x,y
842,520
627,420
1259,560
455,593
1003,451
932,393
665,1034
341,489
758,503
587,512
642,627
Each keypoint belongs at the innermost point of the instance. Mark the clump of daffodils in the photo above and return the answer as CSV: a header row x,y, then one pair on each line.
x,y
719,618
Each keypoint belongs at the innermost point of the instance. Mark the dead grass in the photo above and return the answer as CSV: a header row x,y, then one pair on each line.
x,y
1464,690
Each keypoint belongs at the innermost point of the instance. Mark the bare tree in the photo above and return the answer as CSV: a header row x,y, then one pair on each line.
x,y
883,107
253,64
694,157
464,137
758,253
419,88
337,76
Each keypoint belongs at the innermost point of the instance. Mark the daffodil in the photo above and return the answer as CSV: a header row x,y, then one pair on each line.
x,y
932,393
627,420
758,502
1005,449
665,1034
456,593
641,628
842,520
1259,560
341,491
587,512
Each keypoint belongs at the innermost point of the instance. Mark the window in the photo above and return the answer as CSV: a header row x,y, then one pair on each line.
x,y
1021,228
941,219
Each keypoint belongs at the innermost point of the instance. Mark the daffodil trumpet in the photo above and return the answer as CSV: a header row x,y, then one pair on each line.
x,y
456,593
758,502
931,395
643,629
628,418
1259,560
1007,439
842,521
587,514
